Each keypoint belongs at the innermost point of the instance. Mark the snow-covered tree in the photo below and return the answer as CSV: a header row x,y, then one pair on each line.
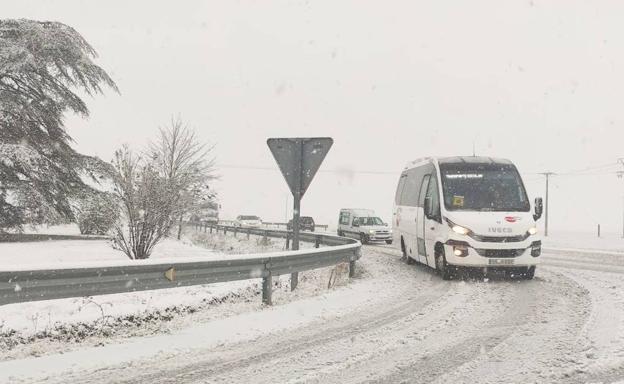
x,y
42,65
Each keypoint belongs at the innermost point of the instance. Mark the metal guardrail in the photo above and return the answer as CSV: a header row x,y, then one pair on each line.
x,y
132,276
264,224
321,226
33,237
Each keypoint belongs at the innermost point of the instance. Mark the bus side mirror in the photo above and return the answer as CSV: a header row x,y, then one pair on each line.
x,y
539,208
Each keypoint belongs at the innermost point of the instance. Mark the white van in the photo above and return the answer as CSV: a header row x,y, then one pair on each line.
x,y
364,225
466,212
247,221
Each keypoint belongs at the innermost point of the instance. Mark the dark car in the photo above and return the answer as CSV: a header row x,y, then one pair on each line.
x,y
306,223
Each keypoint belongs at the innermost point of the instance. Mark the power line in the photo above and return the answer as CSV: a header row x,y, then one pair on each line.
x,y
598,170
341,171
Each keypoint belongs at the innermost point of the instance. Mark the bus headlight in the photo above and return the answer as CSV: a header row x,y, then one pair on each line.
x,y
532,230
458,228
372,231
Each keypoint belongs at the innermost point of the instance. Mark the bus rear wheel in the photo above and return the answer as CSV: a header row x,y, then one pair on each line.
x,y
530,273
408,260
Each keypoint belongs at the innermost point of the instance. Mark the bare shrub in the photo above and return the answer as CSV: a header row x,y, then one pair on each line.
x,y
147,205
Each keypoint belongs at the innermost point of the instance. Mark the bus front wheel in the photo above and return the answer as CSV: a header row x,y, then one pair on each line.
x,y
444,269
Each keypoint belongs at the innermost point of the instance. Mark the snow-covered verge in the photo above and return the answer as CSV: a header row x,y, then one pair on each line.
x,y
584,241
61,229
58,253
50,326
228,244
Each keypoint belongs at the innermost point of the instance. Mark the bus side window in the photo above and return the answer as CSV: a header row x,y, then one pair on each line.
x,y
433,196
423,191
399,191
409,197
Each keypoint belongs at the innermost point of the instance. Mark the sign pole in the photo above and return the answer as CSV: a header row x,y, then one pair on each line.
x,y
294,277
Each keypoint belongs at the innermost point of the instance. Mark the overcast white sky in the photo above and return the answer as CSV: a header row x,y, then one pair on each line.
x,y
538,82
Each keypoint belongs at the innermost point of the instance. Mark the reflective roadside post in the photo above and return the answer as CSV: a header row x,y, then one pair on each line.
x,y
298,159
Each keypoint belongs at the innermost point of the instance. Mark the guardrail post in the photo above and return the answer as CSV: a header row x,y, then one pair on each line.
x,y
248,233
267,290
211,229
288,241
235,232
265,240
351,268
225,230
317,241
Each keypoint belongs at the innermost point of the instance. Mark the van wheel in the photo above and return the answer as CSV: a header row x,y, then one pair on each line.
x,y
408,260
388,241
363,238
444,269
339,233
530,273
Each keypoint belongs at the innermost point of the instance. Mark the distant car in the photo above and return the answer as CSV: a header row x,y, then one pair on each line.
x,y
364,225
248,221
306,223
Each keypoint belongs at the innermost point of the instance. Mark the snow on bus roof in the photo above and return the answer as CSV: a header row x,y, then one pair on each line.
x,y
473,160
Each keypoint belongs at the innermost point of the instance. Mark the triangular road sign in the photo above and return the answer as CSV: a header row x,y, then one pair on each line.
x,y
299,159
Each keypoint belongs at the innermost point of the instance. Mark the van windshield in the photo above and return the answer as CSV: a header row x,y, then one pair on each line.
x,y
369,221
483,187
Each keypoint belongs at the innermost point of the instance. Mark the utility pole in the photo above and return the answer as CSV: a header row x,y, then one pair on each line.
x,y
547,174
619,175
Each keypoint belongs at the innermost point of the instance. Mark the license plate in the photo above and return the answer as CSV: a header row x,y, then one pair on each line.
x,y
501,261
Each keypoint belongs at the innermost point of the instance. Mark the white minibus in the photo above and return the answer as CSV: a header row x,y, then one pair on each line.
x,y
457,212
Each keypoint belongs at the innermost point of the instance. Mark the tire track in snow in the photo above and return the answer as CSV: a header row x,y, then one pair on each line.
x,y
238,358
604,329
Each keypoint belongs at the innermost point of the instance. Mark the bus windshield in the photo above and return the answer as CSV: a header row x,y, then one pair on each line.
x,y
483,187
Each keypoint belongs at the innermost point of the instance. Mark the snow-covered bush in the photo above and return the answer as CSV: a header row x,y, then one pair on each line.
x,y
97,214
147,205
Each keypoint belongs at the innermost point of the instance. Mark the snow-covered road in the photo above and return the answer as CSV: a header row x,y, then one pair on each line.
x,y
399,324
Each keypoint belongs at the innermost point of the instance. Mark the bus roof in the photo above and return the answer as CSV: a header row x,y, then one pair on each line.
x,y
473,160
458,160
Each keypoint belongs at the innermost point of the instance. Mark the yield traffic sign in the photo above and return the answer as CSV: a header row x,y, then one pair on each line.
x,y
299,159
